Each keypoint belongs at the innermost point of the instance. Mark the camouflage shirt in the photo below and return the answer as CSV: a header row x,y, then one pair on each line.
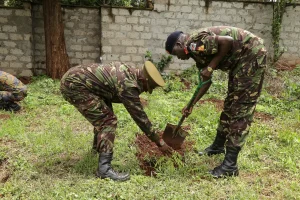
x,y
11,88
203,45
115,82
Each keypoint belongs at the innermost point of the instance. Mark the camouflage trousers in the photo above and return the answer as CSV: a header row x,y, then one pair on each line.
x,y
244,88
11,88
96,110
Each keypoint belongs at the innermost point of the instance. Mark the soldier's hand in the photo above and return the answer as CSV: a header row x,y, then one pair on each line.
x,y
186,112
164,148
205,73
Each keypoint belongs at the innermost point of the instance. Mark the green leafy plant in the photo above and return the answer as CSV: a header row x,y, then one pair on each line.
x,y
173,83
124,3
148,56
279,8
13,3
162,63
191,74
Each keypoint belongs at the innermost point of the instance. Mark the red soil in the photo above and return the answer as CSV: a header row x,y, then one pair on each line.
x,y
218,103
4,116
149,150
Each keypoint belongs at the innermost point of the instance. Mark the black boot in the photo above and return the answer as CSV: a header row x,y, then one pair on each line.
x,y
105,170
10,106
217,147
229,166
3,106
14,107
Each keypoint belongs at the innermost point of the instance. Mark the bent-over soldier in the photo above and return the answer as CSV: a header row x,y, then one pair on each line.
x,y
243,55
93,88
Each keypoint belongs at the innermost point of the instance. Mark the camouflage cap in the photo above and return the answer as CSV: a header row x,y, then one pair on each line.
x,y
153,73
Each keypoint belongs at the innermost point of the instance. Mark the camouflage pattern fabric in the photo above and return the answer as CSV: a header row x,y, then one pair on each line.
x,y
11,88
246,64
93,88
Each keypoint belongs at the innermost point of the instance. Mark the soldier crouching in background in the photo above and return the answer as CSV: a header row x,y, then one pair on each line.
x,y
11,90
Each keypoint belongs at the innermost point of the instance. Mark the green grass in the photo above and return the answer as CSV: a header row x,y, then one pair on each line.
x,y
45,149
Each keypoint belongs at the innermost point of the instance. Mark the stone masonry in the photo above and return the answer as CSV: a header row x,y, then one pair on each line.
x,y
82,36
124,34
16,41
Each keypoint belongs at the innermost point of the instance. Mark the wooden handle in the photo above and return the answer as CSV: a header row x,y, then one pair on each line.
x,y
191,103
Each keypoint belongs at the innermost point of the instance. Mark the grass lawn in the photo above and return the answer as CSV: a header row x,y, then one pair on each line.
x,y
45,150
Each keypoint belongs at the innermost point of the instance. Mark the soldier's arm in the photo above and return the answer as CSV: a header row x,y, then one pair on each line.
x,y
131,100
203,89
199,95
224,46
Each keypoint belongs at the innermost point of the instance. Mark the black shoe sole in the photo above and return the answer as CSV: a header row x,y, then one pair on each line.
x,y
121,179
202,153
225,175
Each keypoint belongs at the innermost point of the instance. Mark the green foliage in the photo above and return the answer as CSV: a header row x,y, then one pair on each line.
x,y
219,82
13,3
162,63
173,83
291,80
97,2
125,3
148,56
279,8
191,74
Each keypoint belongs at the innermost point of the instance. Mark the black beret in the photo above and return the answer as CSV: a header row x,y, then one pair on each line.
x,y
171,40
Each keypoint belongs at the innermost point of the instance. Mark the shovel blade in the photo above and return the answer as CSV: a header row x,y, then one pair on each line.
x,y
174,140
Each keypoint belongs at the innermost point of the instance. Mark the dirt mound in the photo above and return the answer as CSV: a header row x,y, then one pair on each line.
x,y
283,65
4,116
148,153
263,116
4,170
218,103
186,83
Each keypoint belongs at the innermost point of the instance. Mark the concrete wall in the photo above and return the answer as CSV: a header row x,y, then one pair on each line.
x,y
82,36
16,45
126,34
141,30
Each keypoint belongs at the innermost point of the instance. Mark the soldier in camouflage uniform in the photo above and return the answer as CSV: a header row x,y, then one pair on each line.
x,y
243,55
93,88
11,90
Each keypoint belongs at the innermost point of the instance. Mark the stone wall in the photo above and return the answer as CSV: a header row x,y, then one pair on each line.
x,y
16,41
126,34
82,36
290,35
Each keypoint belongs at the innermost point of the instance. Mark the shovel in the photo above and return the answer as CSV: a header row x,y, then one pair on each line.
x,y
174,135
